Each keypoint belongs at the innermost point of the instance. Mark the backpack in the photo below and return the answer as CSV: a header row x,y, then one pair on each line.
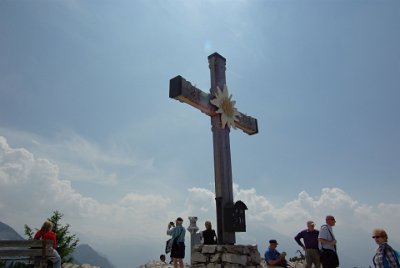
x,y
396,253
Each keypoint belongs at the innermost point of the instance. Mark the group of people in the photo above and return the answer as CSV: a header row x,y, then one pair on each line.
x,y
177,233
320,248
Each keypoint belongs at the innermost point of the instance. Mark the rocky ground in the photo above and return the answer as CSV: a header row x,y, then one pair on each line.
x,y
71,265
158,264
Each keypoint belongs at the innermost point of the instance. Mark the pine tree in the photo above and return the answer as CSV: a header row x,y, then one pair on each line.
x,y
66,242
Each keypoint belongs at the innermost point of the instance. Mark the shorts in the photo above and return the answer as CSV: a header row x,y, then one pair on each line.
x,y
178,250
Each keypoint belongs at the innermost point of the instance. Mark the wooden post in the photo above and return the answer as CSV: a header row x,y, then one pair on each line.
x,y
222,152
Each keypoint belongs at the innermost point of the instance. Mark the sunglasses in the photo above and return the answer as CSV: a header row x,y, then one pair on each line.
x,y
376,237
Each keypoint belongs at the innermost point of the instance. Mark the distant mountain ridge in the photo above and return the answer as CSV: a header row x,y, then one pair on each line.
x,y
83,254
8,233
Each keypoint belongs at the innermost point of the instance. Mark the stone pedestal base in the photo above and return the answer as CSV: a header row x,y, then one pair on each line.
x,y
228,256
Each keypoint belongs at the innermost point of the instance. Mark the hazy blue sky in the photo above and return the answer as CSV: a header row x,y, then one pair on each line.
x,y
87,126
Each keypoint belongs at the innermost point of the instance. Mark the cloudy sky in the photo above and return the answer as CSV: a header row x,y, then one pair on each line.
x,y
87,127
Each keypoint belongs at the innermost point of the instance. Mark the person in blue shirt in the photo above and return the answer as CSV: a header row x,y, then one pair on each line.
x,y
178,247
310,246
273,257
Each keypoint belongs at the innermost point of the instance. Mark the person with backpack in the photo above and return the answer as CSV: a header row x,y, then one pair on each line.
x,y
385,256
46,233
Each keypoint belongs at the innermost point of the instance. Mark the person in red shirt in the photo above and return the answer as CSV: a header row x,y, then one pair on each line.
x,y
46,233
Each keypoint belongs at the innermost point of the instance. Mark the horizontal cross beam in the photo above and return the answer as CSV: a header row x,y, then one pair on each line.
x,y
182,90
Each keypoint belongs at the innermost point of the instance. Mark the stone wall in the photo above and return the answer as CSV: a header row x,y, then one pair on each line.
x,y
228,256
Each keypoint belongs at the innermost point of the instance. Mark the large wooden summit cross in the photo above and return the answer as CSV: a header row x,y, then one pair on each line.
x,y
219,106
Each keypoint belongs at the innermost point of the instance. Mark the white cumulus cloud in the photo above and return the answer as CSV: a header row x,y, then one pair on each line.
x,y
31,189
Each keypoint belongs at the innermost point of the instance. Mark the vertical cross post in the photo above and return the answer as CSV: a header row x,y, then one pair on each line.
x,y
222,153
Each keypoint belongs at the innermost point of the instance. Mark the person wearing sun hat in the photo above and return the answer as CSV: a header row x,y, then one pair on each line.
x,y
273,257
310,246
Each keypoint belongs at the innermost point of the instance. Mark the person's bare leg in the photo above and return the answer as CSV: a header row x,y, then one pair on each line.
x,y
180,263
175,262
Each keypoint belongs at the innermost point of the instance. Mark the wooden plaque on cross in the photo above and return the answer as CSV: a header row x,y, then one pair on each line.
x,y
219,106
